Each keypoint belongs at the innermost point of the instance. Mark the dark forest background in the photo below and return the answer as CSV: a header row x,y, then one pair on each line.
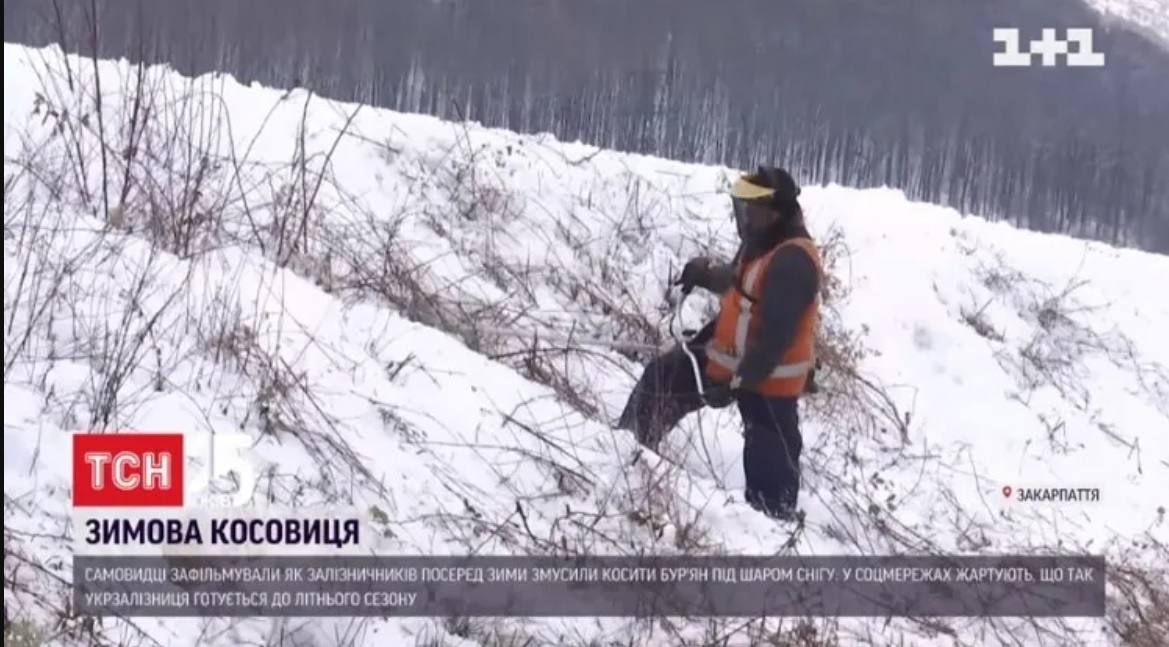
x,y
860,92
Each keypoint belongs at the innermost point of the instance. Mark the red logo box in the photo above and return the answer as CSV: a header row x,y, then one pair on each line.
x,y
124,470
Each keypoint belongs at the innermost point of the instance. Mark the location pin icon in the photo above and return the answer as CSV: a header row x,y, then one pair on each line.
x,y
1007,491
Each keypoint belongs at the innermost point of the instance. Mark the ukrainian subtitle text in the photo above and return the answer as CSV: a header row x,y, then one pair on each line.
x,y
436,586
222,532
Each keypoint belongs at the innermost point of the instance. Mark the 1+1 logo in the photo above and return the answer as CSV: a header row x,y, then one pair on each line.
x,y
1049,48
121,470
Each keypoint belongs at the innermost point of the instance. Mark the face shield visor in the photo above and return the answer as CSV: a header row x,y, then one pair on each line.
x,y
750,204
739,209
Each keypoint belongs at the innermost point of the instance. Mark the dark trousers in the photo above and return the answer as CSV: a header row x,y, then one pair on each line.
x,y
772,444
667,393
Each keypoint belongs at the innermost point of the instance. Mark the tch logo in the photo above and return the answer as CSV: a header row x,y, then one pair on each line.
x,y
128,470
124,470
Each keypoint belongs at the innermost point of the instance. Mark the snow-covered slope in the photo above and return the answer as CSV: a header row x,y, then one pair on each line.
x,y
1149,15
410,317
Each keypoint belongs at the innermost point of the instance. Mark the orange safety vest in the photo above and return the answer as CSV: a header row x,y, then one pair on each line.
x,y
739,321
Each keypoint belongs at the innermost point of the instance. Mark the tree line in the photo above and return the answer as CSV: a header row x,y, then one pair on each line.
x,y
862,93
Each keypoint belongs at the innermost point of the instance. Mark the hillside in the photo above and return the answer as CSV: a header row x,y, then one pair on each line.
x,y
1149,15
411,317
847,97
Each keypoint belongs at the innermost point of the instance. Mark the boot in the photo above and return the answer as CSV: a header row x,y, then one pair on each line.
x,y
774,510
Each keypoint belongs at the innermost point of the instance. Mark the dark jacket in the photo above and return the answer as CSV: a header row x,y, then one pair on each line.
x,y
793,281
667,391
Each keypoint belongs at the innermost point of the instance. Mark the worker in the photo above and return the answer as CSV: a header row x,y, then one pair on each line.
x,y
763,345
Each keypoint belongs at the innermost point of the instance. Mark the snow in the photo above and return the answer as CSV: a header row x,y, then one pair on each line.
x,y
395,354
1152,16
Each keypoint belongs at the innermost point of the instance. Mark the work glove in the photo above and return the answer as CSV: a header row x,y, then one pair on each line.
x,y
720,395
696,273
